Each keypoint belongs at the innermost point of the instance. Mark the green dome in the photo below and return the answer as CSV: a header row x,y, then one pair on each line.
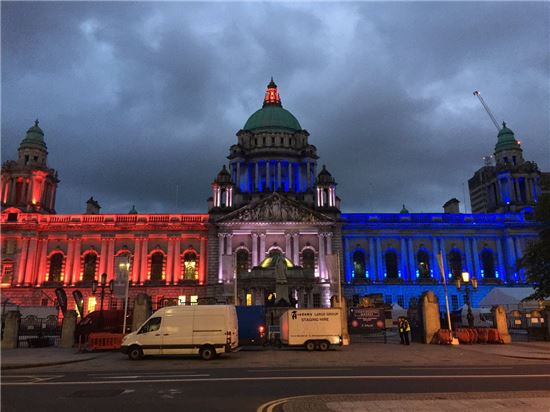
x,y
506,139
272,117
34,137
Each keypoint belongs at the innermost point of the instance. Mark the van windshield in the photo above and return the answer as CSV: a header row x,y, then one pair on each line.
x,y
152,325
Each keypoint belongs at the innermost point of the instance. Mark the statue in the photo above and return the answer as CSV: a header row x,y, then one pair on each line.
x,y
281,289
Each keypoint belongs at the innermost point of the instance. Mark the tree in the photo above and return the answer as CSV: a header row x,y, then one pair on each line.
x,y
536,260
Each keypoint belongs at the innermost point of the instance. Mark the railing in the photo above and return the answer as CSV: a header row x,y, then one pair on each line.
x,y
83,219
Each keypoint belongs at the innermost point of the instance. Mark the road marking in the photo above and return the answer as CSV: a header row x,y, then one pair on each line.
x,y
456,368
274,378
139,373
303,369
33,378
154,376
271,405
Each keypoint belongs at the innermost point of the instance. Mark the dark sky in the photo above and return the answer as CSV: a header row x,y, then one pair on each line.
x,y
136,99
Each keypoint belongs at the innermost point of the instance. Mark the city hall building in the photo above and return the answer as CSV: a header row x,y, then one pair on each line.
x,y
272,219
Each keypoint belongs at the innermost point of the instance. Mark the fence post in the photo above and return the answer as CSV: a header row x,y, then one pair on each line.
x,y
67,329
10,330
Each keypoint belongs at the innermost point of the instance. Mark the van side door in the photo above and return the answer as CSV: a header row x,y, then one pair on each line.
x,y
177,333
149,336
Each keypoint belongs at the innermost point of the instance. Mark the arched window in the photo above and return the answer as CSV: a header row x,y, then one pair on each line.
x,y
391,264
90,261
423,264
488,264
242,261
56,266
359,264
157,260
308,260
190,265
455,263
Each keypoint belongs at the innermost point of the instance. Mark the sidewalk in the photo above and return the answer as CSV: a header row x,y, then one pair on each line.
x,y
359,353
36,357
534,401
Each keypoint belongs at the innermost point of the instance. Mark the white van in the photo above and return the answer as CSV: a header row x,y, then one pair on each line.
x,y
178,330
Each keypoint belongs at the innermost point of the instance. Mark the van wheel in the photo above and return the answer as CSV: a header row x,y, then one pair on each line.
x,y
207,352
324,345
310,345
135,353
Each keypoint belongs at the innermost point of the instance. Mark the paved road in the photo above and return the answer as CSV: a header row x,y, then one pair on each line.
x,y
138,389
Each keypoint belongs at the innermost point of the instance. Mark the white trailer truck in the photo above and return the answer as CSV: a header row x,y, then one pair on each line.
x,y
312,328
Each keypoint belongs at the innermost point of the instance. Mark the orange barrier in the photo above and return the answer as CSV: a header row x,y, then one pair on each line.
x,y
104,341
464,336
443,337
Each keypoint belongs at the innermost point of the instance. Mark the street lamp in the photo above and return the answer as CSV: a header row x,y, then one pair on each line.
x,y
102,286
467,282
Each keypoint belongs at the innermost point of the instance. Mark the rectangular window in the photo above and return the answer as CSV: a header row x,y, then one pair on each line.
x,y
401,300
306,300
454,302
194,299
316,300
388,299
181,300
249,299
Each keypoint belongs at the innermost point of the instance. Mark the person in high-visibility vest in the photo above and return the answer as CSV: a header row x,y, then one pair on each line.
x,y
404,329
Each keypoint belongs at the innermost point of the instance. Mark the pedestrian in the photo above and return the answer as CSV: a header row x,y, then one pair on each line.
x,y
401,329
406,330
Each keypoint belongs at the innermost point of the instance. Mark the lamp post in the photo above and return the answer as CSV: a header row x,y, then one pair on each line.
x,y
467,282
102,286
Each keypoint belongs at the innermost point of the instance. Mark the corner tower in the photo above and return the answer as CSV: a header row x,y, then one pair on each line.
x,y
28,183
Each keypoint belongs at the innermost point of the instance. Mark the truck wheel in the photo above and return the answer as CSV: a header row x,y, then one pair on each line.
x,y
135,353
324,345
310,345
207,352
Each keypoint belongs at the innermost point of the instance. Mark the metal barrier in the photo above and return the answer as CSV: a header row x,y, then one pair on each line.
x,y
104,341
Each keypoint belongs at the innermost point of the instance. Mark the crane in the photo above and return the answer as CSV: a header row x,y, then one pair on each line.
x,y
476,93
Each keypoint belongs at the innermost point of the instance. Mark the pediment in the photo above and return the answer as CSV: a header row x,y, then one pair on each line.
x,y
275,208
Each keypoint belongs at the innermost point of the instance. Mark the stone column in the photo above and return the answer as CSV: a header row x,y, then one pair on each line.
x,y
42,266
31,261
254,241
501,265
519,255
372,255
229,244
290,177
170,262
177,261
143,275
321,257
380,266
296,248
469,265
412,261
262,246
307,175
22,261
279,185
68,271
238,180
476,258
435,264
403,258
76,260
202,262
103,256
142,310
500,322
511,259
288,250
257,176
329,243
10,339
67,329
136,261
110,269
430,316
444,255
267,174
221,237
